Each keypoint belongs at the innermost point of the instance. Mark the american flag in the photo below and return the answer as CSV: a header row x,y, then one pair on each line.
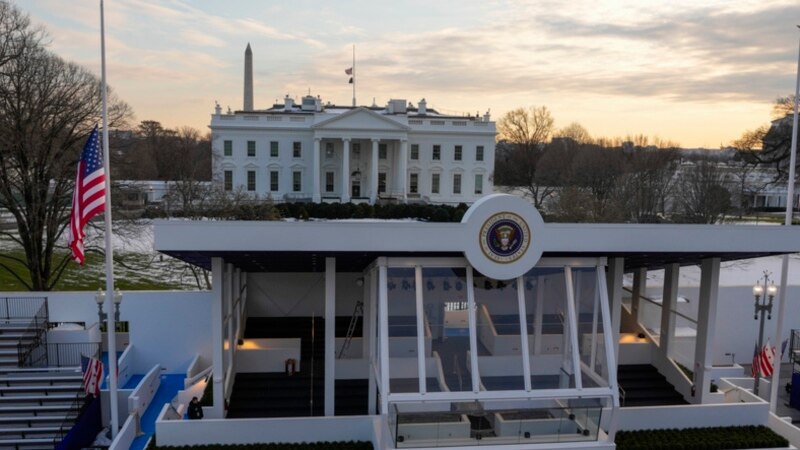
x,y
89,196
756,369
92,375
348,71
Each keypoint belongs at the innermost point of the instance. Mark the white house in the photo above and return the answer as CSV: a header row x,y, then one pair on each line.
x,y
322,152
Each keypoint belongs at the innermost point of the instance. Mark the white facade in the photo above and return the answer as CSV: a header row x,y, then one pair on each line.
x,y
312,152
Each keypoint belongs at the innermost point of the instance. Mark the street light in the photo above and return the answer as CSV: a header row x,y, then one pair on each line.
x,y
100,298
763,305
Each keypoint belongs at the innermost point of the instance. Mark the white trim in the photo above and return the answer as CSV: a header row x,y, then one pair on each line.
x,y
573,328
473,333
523,330
536,394
421,356
384,335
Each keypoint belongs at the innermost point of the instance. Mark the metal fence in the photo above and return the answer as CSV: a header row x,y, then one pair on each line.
x,y
12,308
61,354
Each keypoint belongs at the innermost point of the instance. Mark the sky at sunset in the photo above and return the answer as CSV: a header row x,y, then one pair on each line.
x,y
696,72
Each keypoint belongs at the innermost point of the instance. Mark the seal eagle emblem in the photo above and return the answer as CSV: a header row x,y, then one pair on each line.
x,y
504,237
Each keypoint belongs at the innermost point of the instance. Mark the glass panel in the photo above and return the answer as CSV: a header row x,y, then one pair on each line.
x,y
403,366
590,327
446,315
498,422
548,334
499,342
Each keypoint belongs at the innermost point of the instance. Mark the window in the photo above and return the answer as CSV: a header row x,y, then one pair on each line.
x,y
456,183
381,151
414,151
274,151
228,181
435,183
437,152
328,181
457,153
478,183
251,149
382,183
479,153
297,181
251,180
413,183
273,180
297,150
228,148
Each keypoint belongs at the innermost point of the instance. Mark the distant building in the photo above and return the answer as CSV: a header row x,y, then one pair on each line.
x,y
326,153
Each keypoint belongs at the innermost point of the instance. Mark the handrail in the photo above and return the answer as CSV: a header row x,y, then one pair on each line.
x,y
457,372
660,305
39,327
621,395
70,417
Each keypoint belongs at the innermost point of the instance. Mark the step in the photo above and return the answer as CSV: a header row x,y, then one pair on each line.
x,y
6,421
27,443
45,390
38,398
35,409
27,431
30,380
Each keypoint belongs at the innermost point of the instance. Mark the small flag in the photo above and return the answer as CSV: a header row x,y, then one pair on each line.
x,y
784,344
767,357
89,195
92,375
348,71
756,369
351,80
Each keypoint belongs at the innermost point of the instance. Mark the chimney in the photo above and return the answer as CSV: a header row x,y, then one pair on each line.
x,y
248,79
422,107
288,103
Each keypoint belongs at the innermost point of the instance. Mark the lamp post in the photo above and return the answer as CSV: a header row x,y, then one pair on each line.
x,y
764,295
100,297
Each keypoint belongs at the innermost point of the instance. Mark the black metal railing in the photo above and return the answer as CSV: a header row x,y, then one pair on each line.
x,y
59,354
75,409
12,308
29,354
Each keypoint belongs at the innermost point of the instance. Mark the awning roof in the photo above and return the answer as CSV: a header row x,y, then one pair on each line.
x,y
279,246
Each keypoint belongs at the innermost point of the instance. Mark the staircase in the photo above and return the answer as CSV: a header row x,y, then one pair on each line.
x,y
643,385
281,395
12,335
38,406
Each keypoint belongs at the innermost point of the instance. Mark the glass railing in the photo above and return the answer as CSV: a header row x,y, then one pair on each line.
x,y
495,422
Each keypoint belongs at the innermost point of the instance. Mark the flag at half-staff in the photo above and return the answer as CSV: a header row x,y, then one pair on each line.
x,y
89,196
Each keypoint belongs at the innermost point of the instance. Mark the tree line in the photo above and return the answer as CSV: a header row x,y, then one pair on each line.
x,y
573,177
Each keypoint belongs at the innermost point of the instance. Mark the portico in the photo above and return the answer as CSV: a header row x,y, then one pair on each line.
x,y
359,155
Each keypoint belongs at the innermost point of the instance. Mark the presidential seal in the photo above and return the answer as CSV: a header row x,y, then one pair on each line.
x,y
504,237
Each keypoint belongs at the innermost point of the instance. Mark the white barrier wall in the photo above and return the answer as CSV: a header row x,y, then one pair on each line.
x,y
168,327
253,431
690,416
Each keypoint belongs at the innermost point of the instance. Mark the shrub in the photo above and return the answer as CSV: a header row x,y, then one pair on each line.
x,y
715,438
341,445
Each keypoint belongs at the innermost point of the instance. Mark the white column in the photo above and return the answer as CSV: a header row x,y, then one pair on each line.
x,y
403,169
668,303
706,318
217,276
523,333
373,177
538,315
228,311
473,331
330,336
614,277
345,170
370,314
383,299
421,355
639,289
315,192
572,317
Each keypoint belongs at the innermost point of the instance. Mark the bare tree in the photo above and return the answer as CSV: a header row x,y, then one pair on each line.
x,y
529,128
648,183
47,109
576,132
704,196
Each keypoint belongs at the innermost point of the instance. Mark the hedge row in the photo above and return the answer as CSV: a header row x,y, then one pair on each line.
x,y
716,438
349,445
305,211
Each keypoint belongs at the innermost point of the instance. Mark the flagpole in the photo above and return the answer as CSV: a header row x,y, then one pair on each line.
x,y
354,75
785,263
109,303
